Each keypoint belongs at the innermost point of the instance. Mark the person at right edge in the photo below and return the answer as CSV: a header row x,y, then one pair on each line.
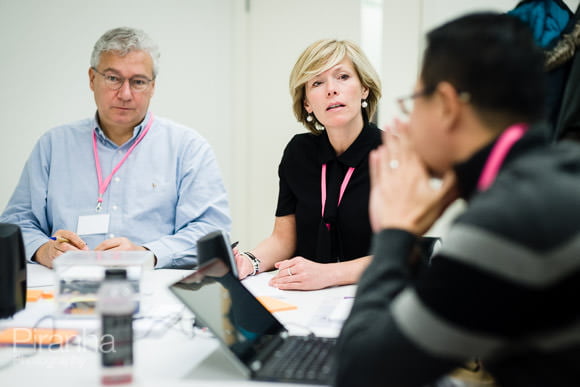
x,y
504,286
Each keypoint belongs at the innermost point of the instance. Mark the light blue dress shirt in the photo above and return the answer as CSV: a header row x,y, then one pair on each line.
x,y
167,194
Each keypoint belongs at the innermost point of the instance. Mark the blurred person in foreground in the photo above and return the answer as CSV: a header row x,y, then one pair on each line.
x,y
503,286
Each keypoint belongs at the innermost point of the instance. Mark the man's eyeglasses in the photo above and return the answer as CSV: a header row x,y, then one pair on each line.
x,y
406,104
114,81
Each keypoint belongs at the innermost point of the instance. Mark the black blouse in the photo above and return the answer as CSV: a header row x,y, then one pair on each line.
x,y
349,235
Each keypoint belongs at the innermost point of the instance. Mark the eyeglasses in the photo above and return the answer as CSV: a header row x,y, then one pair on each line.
x,y
113,81
406,104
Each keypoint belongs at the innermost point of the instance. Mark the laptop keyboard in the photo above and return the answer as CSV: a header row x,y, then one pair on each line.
x,y
304,359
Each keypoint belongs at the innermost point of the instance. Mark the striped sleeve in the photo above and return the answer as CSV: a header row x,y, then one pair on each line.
x,y
373,350
483,296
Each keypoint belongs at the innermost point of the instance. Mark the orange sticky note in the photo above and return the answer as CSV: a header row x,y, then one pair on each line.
x,y
37,336
274,304
33,295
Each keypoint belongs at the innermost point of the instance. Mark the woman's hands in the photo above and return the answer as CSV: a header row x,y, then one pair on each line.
x,y
299,273
245,267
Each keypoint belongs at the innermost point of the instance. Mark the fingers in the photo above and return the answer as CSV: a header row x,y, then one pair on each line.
x,y
70,238
121,244
117,244
281,265
286,268
290,267
284,281
244,266
392,143
400,153
294,274
401,131
61,242
46,253
300,273
108,244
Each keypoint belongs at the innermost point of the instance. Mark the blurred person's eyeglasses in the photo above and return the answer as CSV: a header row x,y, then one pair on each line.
x,y
406,104
114,81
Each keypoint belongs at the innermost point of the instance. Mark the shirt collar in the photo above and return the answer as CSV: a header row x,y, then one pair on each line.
x,y
355,153
105,140
468,171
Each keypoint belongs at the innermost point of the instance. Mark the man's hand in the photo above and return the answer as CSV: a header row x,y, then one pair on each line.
x,y
65,241
122,244
402,191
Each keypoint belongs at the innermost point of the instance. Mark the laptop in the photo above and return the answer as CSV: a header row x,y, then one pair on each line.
x,y
252,338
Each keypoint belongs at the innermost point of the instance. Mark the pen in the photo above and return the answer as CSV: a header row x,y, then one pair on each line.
x,y
235,244
60,239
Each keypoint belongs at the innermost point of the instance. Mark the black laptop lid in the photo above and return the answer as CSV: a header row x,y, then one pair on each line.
x,y
219,301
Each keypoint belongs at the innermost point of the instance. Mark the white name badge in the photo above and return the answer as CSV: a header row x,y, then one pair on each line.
x,y
93,224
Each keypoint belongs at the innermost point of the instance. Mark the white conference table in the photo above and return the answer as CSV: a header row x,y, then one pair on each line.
x,y
166,353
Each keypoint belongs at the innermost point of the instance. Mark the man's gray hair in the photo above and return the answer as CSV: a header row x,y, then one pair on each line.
x,y
124,40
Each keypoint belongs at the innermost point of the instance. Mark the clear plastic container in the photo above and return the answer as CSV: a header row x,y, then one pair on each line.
x,y
80,274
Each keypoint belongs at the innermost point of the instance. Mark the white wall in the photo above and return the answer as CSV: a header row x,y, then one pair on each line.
x,y
270,35
404,26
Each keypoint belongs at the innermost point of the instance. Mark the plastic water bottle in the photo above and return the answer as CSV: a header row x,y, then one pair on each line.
x,y
116,304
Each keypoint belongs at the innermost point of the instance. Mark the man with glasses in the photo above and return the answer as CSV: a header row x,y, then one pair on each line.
x,y
123,179
504,286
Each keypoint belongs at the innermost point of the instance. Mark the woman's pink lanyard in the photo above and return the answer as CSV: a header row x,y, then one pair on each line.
x,y
342,188
498,154
103,185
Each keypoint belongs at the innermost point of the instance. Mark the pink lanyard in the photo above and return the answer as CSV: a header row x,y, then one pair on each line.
x,y
342,187
498,154
104,184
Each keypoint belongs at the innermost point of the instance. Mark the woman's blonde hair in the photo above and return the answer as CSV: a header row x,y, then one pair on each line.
x,y
319,57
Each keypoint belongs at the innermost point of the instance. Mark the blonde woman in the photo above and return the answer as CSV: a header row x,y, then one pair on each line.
x,y
322,233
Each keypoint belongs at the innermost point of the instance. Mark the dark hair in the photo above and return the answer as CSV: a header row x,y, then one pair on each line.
x,y
494,58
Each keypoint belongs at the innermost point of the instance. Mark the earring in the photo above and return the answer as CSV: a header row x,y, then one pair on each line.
x,y
364,104
309,118
318,126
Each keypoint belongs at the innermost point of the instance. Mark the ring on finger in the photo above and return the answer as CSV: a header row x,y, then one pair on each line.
x,y
290,272
394,164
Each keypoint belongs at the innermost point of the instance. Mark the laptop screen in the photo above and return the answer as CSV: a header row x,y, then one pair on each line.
x,y
219,301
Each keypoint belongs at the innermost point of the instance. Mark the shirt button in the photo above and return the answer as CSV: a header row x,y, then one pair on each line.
x,y
115,208
111,235
117,179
